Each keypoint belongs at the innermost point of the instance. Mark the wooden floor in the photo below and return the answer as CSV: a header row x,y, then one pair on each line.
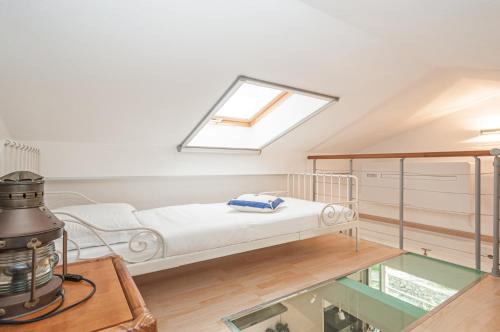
x,y
478,309
197,296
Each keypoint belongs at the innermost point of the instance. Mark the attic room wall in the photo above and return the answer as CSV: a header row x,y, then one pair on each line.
x,y
110,87
4,133
149,176
457,131
438,192
156,191
126,72
92,160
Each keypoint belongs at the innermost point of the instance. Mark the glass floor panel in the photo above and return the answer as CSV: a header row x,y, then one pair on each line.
x,y
387,296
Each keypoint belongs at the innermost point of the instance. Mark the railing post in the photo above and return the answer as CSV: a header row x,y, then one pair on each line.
x,y
349,188
349,184
496,184
314,180
401,201
477,211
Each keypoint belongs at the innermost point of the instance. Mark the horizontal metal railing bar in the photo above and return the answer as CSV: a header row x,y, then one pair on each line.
x,y
417,189
423,190
414,207
395,172
425,227
425,242
436,154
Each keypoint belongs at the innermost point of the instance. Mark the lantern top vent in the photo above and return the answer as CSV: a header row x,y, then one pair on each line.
x,y
22,176
21,189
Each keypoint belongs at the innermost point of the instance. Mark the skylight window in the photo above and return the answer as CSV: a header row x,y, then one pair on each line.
x,y
252,114
247,102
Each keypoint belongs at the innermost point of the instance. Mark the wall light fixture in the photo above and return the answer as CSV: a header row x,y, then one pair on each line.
x,y
493,131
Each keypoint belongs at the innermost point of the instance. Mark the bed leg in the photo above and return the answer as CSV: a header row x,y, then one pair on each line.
x,y
357,239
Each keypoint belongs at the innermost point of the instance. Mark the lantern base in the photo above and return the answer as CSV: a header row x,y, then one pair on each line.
x,y
12,306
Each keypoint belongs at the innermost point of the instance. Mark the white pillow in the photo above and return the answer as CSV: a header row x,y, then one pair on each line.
x,y
105,215
255,203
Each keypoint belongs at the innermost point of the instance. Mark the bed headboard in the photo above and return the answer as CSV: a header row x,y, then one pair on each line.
x,y
16,156
323,187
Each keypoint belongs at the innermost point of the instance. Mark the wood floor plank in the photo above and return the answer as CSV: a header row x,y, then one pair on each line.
x,y
478,309
197,296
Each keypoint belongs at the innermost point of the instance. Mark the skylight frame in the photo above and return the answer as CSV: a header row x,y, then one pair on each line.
x,y
184,147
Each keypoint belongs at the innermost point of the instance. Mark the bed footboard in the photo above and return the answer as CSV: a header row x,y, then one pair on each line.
x,y
339,192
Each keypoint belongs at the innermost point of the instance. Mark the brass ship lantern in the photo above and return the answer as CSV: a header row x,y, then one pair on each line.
x,y
27,249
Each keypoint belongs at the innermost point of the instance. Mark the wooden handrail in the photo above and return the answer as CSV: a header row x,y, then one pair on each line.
x,y
476,153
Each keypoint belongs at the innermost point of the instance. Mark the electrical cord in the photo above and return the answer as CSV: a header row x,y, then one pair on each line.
x,y
56,311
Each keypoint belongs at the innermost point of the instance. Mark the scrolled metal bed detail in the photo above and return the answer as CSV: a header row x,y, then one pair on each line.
x,y
338,213
135,243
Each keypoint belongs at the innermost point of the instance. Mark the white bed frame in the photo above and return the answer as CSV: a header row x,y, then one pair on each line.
x,y
338,191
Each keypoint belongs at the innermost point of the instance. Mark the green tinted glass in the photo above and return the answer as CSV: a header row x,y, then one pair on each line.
x,y
384,297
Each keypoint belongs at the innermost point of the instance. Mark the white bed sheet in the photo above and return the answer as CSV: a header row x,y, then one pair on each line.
x,y
197,227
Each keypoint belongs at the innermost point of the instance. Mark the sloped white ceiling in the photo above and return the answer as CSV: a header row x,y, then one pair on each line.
x,y
440,94
119,71
146,71
458,130
446,33
457,37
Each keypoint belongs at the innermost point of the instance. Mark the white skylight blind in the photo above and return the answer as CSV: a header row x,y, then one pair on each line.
x,y
252,114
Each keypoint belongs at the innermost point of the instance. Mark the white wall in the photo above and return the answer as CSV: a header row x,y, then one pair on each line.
x,y
150,192
91,160
152,176
4,132
148,176
438,192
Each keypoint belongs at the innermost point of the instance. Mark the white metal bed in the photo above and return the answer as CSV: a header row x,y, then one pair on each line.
x,y
147,248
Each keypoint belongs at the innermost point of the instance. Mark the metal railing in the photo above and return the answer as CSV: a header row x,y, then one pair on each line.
x,y
495,153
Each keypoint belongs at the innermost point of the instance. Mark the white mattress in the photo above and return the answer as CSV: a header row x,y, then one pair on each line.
x,y
194,228
197,227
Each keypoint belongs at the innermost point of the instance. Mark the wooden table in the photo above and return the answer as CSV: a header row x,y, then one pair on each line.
x,y
117,304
